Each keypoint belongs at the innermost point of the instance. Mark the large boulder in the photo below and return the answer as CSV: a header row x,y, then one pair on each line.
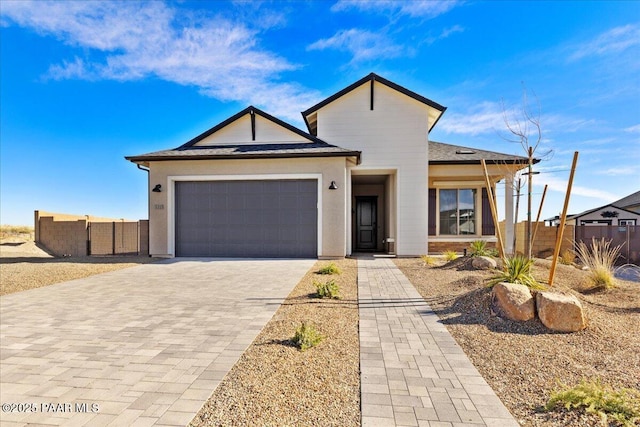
x,y
561,313
483,263
512,301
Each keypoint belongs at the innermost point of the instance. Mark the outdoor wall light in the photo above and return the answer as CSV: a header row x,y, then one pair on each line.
x,y
333,186
157,188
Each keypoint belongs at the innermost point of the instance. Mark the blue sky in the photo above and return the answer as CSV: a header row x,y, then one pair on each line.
x,y
82,84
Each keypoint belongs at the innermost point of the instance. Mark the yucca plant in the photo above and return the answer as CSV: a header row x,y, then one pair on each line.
x,y
622,406
479,248
517,269
599,258
450,255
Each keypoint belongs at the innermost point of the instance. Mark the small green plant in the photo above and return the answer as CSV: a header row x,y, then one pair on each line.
x,y
622,406
493,252
517,269
428,260
479,248
599,258
450,255
567,257
330,268
306,336
329,289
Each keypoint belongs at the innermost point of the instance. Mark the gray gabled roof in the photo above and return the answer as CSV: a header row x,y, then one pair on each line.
x,y
630,200
190,151
448,154
245,151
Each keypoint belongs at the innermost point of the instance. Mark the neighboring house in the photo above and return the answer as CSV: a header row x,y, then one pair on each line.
x,y
625,211
363,177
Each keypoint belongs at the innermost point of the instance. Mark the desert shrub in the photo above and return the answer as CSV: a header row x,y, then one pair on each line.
x,y
450,255
479,248
428,260
329,289
599,258
493,252
517,269
330,268
7,231
306,336
567,257
621,406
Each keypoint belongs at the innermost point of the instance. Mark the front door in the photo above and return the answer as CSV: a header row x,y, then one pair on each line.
x,y
366,222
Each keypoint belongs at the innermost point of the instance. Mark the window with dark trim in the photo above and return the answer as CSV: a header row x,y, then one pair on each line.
x,y
457,211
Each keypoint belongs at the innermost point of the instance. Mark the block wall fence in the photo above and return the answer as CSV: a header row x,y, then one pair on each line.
x,y
83,235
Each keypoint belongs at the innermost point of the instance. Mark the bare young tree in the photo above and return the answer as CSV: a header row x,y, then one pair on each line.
x,y
523,126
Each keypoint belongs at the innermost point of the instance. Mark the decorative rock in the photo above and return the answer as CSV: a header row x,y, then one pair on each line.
x,y
484,263
512,301
561,313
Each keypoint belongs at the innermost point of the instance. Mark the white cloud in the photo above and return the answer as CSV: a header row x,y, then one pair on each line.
x,y
620,171
487,117
633,129
416,8
363,45
613,41
560,185
444,34
132,40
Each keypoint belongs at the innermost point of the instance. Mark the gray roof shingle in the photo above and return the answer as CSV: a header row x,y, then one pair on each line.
x,y
248,151
445,154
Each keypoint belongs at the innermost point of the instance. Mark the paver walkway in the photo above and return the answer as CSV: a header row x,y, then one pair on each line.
x,y
146,345
413,371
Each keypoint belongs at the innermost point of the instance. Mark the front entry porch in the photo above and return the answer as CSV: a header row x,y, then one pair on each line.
x,y
372,206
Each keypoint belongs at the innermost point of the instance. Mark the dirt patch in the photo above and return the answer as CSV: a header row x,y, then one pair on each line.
x,y
23,266
523,361
274,383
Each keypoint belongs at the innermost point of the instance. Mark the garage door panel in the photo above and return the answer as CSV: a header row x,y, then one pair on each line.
x,y
271,218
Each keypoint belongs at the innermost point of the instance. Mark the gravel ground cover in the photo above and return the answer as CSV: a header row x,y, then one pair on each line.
x,y
25,266
523,361
275,384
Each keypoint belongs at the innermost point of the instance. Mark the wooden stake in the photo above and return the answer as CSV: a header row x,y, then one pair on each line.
x,y
535,231
563,219
494,212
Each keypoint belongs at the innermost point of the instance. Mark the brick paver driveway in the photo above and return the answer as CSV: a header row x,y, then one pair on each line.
x,y
141,346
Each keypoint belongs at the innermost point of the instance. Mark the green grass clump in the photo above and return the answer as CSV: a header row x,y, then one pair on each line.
x,y
479,248
306,336
517,269
428,260
330,268
599,258
329,289
450,255
621,406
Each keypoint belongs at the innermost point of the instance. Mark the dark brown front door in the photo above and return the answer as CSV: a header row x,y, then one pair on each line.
x,y
366,222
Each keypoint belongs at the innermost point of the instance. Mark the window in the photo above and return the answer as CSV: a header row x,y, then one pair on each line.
x,y
458,211
631,222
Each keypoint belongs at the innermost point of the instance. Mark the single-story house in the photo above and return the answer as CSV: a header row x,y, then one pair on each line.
x,y
625,211
363,177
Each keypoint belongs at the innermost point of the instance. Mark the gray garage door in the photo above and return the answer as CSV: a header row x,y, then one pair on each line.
x,y
271,219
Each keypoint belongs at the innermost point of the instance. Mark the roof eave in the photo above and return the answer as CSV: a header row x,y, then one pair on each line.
x,y
152,158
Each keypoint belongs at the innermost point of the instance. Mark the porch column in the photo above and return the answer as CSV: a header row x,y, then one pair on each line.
x,y
509,229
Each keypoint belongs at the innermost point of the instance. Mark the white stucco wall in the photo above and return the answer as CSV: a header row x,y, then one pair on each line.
x,y
392,136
